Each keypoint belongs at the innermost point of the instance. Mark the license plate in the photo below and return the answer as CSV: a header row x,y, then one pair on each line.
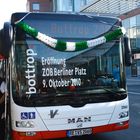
x,y
79,132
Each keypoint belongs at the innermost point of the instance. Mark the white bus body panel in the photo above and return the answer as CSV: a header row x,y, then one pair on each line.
x,y
67,117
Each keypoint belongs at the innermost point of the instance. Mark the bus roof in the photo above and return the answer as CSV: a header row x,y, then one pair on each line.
x,y
19,15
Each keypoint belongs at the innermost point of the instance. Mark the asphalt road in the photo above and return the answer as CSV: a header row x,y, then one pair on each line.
x,y
133,133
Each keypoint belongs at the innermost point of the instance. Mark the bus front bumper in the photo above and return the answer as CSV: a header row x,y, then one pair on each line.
x,y
63,133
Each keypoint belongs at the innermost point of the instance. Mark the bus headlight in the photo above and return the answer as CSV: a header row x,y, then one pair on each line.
x,y
123,114
25,124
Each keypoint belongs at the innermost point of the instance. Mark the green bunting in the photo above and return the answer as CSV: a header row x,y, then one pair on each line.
x,y
70,46
81,46
60,46
28,29
113,35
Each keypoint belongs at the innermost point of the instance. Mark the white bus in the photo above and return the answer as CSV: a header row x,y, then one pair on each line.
x,y
62,79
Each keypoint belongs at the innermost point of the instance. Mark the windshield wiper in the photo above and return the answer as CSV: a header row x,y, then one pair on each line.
x,y
117,90
116,93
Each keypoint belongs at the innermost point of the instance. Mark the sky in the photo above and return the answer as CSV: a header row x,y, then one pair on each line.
x,y
7,7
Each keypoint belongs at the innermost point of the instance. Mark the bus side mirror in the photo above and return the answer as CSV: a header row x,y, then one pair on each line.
x,y
128,52
6,35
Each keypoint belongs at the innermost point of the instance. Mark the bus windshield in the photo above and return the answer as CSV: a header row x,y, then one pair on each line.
x,y
43,76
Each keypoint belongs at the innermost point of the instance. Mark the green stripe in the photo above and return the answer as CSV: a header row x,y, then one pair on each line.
x,y
61,45
113,35
81,46
28,29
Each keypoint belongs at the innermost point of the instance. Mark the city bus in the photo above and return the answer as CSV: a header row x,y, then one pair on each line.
x,y
61,75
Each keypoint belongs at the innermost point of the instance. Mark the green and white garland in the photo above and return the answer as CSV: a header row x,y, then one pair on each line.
x,y
70,46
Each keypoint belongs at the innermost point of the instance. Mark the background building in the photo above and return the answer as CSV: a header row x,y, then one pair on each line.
x,y
56,5
70,5
129,12
114,7
39,5
131,22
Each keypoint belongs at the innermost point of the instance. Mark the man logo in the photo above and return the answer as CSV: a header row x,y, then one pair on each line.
x,y
79,120
53,113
